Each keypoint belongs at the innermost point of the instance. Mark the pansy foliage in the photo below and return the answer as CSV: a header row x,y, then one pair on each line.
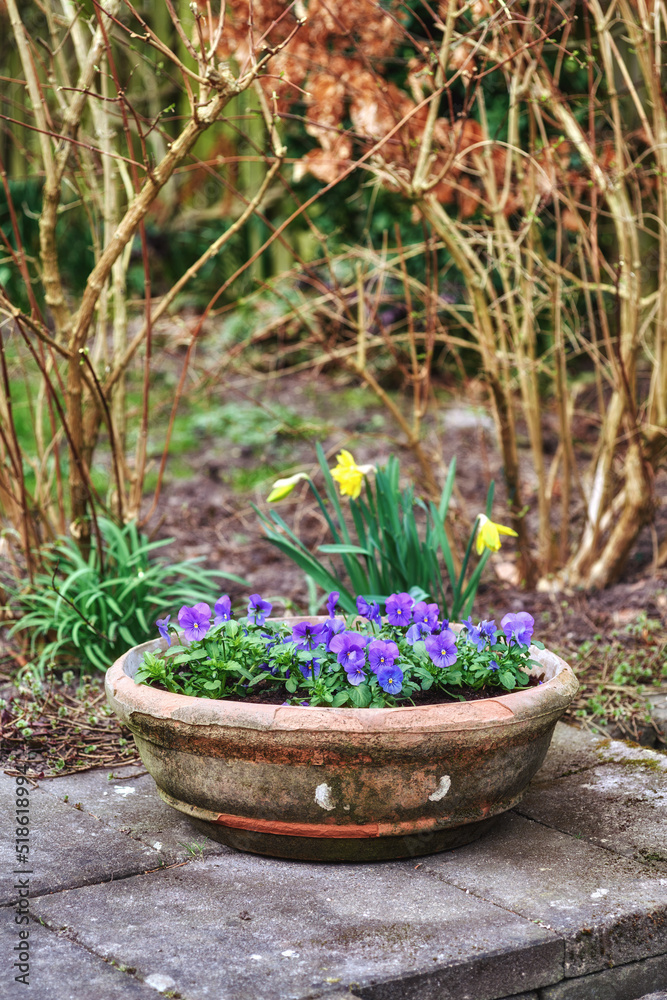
x,y
363,662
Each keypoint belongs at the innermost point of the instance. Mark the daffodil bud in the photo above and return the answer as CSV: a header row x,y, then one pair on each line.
x,y
283,487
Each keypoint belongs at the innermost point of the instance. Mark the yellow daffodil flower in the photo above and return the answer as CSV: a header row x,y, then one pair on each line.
x,y
349,475
488,534
283,487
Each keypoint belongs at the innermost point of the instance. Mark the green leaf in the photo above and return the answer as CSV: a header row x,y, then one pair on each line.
x,y
197,654
343,548
96,657
125,634
360,696
443,506
141,618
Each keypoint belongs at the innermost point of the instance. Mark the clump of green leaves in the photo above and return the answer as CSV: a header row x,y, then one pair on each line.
x,y
87,610
251,425
401,543
369,663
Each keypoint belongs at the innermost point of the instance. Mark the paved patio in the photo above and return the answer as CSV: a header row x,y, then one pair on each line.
x,y
565,900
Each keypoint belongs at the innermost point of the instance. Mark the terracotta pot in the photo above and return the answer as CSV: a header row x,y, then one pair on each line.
x,y
341,784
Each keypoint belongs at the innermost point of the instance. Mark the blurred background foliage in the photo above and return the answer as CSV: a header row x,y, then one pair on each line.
x,y
485,195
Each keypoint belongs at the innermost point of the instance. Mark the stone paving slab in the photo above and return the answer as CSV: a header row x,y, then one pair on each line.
x,y
60,969
241,927
621,983
606,908
68,847
462,982
621,806
536,910
573,750
127,801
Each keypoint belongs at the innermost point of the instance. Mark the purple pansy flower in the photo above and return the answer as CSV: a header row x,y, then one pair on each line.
x,y
442,648
371,612
390,679
363,640
331,628
399,609
223,610
493,665
382,654
488,628
518,627
426,615
306,635
258,609
474,634
416,631
162,627
349,650
195,621
355,675
332,601
310,668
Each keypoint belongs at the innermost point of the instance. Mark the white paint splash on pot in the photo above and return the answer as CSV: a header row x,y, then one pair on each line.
x,y
323,797
443,787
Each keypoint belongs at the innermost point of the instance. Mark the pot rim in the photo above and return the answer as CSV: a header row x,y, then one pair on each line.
x,y
549,698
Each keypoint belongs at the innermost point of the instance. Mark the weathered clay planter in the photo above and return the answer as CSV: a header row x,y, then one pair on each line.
x,y
341,784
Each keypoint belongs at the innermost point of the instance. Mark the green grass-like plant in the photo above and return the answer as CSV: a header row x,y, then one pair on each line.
x,y
88,610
